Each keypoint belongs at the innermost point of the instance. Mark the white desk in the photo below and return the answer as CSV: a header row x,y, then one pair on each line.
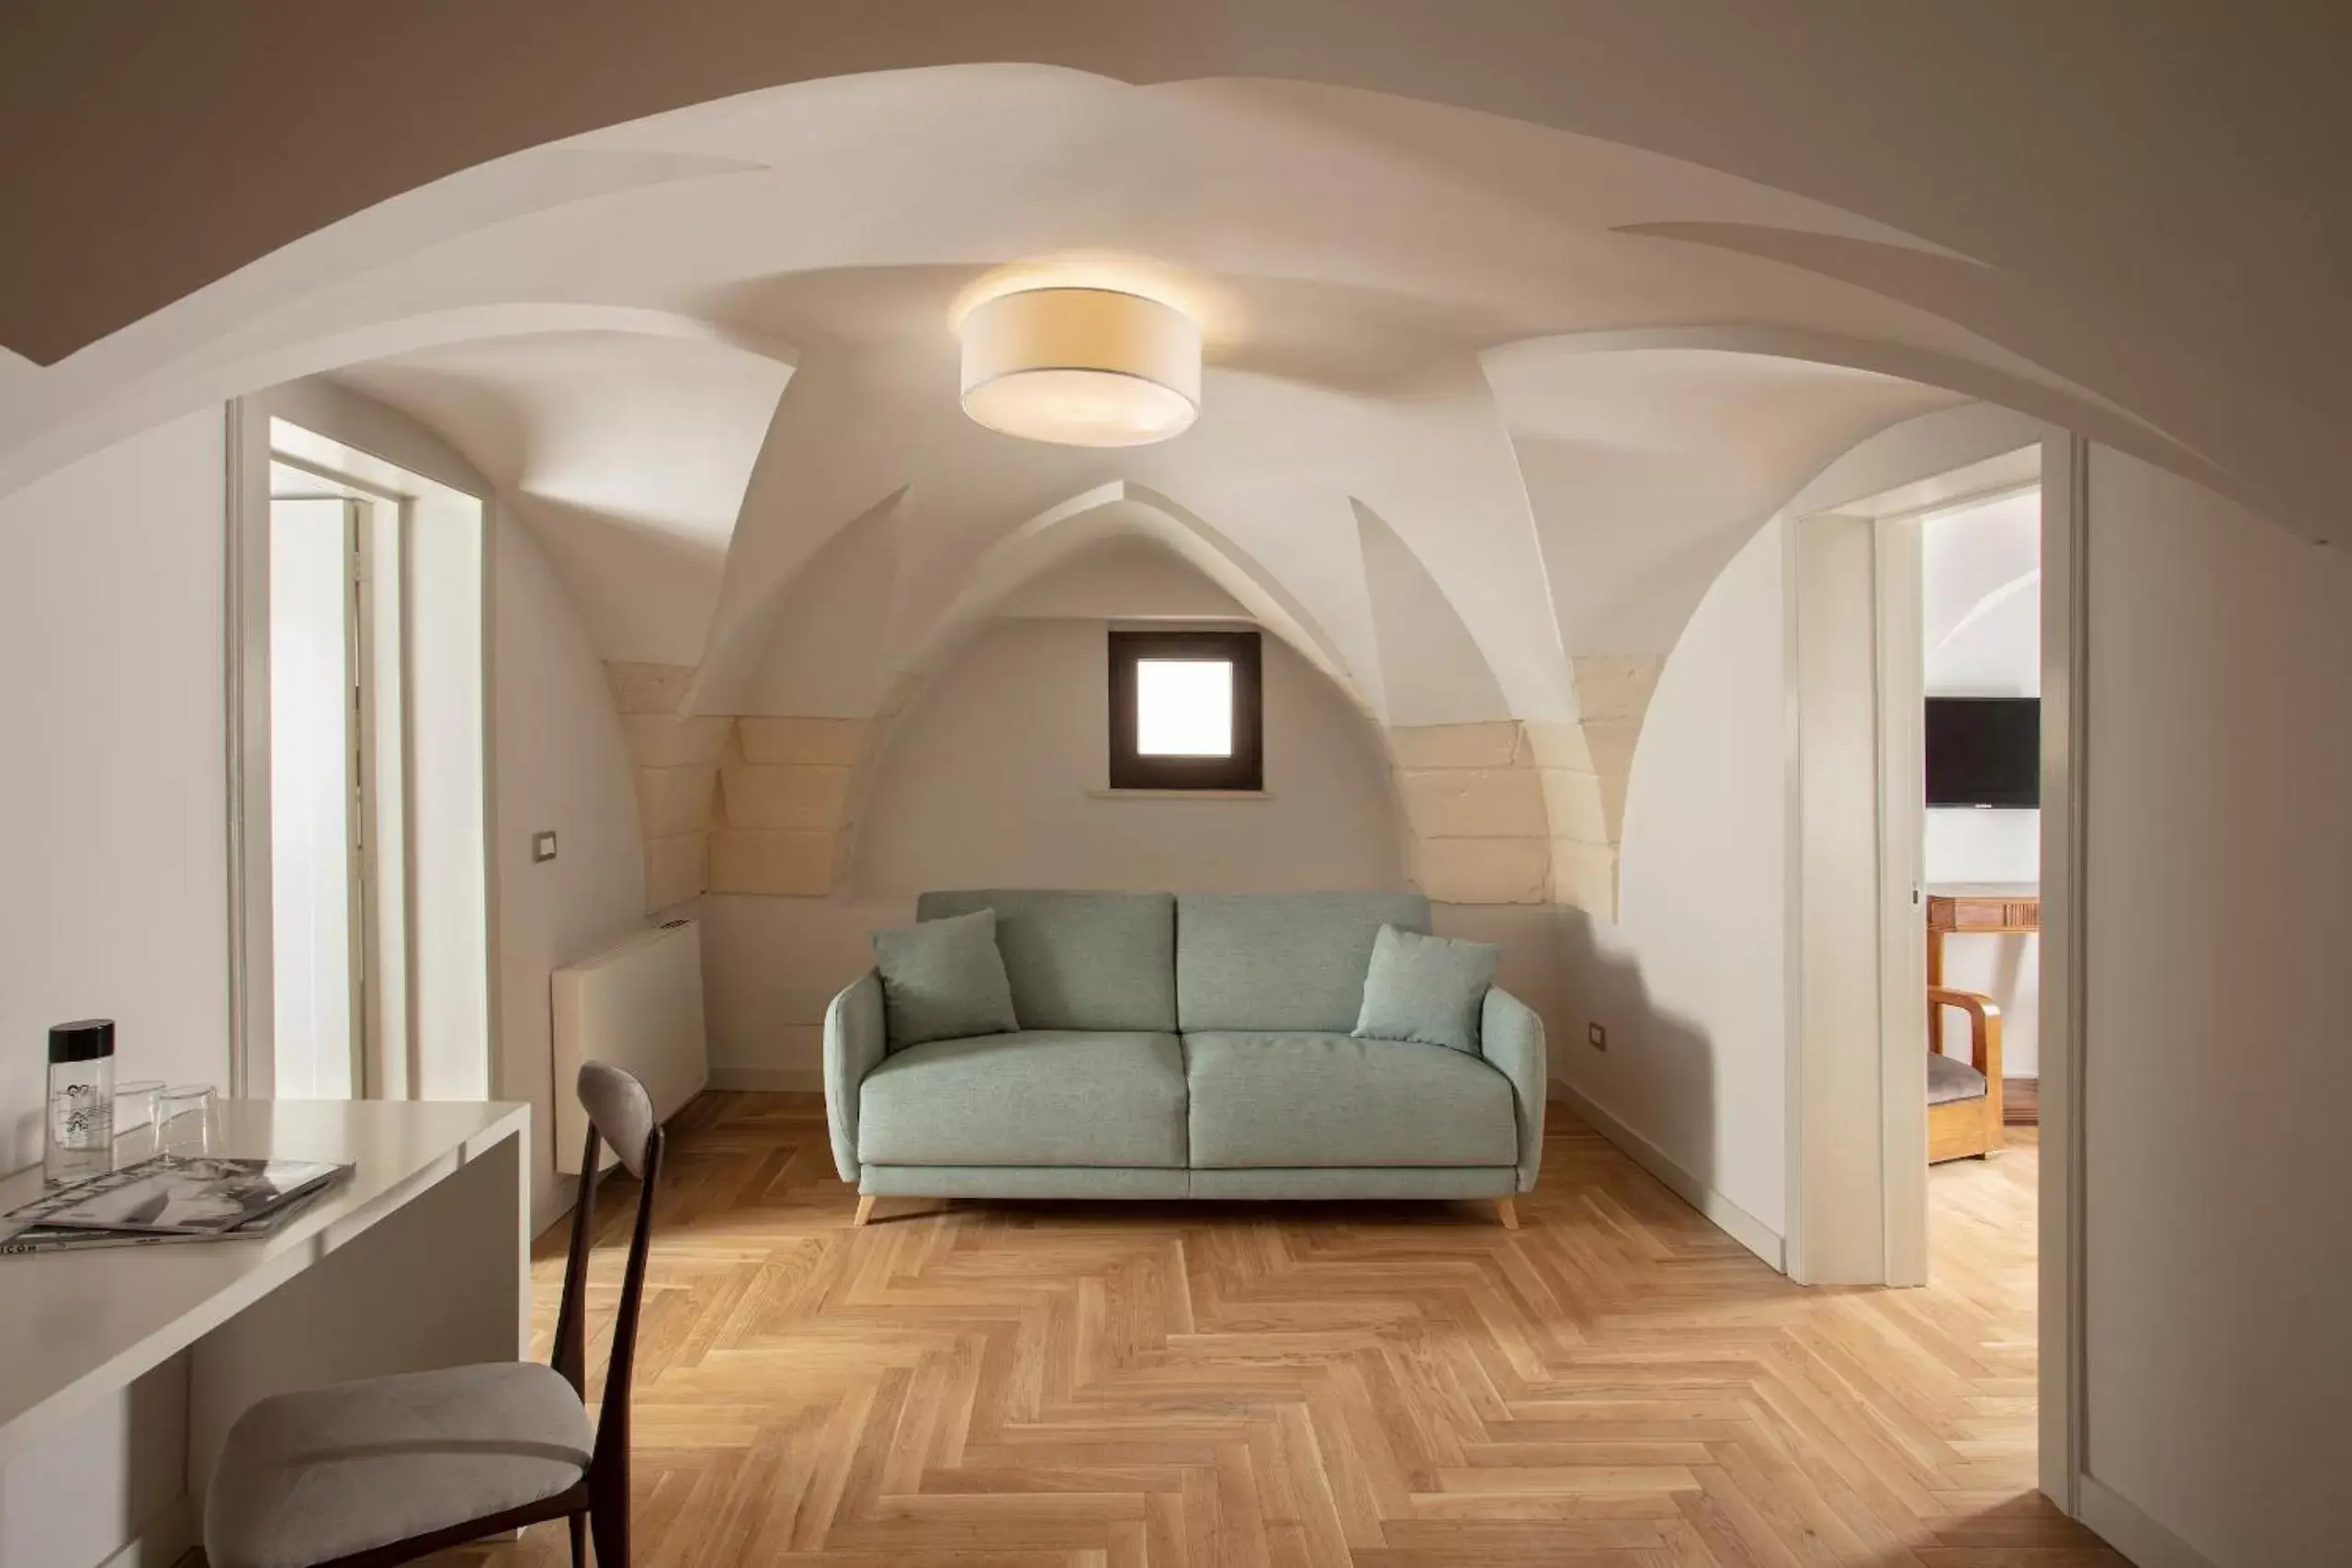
x,y
420,1259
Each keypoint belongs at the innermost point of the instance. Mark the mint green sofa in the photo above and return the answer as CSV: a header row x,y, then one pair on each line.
x,y
1184,1045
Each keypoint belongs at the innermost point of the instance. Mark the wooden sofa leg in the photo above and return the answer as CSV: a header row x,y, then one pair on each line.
x,y
1506,1211
865,1211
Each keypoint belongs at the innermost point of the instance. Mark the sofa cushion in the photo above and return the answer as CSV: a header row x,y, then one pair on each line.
x,y
1949,1080
1079,960
943,980
1261,1099
1037,1097
1281,960
1428,989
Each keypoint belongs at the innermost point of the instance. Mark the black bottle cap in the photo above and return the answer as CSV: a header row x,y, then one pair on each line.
x,y
85,1039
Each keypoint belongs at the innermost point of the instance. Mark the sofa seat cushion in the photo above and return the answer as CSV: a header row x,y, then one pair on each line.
x,y
1272,1100
1044,1097
1949,1078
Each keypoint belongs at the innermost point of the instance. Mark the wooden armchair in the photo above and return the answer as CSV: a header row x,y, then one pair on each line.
x,y
1964,1097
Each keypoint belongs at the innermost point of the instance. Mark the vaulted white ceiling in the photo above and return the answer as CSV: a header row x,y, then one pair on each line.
x,y
709,353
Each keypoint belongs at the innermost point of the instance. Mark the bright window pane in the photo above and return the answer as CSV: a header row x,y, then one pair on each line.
x,y
1183,708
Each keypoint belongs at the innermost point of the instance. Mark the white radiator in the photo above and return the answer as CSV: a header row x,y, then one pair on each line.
x,y
638,1006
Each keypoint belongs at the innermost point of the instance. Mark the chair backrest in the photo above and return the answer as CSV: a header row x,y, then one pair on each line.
x,y
619,1112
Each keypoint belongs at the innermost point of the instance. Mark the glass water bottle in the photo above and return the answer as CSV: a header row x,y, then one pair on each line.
x,y
80,1143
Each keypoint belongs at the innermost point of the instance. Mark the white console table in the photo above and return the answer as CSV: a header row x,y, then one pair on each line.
x,y
420,1259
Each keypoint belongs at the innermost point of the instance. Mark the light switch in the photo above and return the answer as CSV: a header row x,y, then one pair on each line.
x,y
543,845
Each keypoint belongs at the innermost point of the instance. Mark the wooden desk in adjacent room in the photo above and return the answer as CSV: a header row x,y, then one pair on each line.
x,y
1985,909
121,1368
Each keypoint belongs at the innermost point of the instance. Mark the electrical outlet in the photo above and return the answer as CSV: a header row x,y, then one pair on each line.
x,y
543,845
1596,1036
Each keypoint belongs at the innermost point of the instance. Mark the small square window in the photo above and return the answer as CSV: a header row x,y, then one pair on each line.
x,y
1183,708
1185,711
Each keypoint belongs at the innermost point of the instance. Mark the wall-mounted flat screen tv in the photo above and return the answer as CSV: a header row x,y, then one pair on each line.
x,y
1985,751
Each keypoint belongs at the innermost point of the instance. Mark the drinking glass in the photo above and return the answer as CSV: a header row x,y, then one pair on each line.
x,y
183,1120
134,1119
134,1105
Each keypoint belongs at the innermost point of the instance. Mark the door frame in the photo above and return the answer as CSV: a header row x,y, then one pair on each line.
x,y
274,428
251,972
1881,1237
2064,1408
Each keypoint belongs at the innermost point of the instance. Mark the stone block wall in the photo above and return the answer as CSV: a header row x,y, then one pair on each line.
x,y
676,758
1474,817
1496,813
754,804
787,795
1505,812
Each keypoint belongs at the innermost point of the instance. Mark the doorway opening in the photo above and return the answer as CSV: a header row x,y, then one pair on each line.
x,y
1979,859
1937,697
338,876
1981,841
359,874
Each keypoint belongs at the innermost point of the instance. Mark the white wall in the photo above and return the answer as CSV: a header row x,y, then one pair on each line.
x,y
2220,852
1981,576
1691,982
1137,579
114,858
556,757
561,765
985,782
113,804
450,756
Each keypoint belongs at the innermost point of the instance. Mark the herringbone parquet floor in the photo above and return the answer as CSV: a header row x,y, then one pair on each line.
x,y
1278,1386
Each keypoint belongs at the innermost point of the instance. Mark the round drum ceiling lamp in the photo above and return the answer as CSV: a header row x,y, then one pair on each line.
x,y
1081,366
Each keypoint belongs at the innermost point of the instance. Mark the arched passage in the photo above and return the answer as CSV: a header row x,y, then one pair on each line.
x,y
2048,257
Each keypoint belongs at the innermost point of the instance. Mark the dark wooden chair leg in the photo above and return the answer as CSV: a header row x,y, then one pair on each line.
x,y
579,1523
609,1521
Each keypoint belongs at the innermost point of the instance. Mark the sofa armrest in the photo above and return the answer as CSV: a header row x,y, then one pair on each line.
x,y
855,1038
1511,1038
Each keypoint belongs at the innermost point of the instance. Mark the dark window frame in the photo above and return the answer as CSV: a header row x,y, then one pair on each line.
x,y
1245,770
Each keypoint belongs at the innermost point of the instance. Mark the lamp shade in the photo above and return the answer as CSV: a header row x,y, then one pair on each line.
x,y
1081,366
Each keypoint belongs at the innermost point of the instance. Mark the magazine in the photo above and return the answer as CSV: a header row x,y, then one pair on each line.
x,y
206,1196
61,1238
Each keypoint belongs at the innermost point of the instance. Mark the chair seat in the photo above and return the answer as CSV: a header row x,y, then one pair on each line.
x,y
311,1476
1949,1078
1041,1097
1303,1100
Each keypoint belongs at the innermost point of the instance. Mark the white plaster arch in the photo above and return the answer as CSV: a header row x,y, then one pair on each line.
x,y
1117,507
2063,405
2041,213
216,375
850,567
627,452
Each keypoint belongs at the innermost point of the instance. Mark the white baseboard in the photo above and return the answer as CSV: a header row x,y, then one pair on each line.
x,y
2123,1527
168,1537
1728,1216
769,1080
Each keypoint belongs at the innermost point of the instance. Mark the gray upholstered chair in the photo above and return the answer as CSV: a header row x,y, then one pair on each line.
x,y
367,1474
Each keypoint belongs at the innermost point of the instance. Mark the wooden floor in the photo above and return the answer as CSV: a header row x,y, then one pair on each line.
x,y
1000,1385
